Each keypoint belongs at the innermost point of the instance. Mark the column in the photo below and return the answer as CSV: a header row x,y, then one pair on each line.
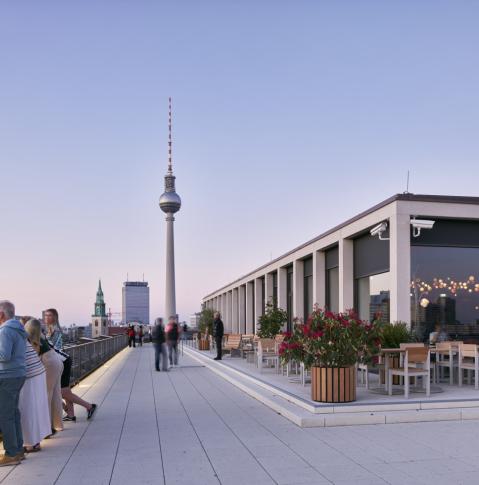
x,y
223,306
235,311
319,278
346,274
258,302
400,268
241,309
282,289
268,289
230,311
298,289
249,307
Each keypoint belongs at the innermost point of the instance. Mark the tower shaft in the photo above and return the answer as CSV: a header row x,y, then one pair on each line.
x,y
170,291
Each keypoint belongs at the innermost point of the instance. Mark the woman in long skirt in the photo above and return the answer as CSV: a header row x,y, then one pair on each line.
x,y
54,367
33,402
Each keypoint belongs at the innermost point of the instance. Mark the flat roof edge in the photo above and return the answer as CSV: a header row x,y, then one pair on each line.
x,y
404,197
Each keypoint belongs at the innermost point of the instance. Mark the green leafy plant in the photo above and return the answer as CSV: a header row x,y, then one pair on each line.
x,y
394,334
330,339
272,321
207,318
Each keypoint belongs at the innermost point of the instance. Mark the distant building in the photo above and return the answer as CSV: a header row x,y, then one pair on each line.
x,y
136,302
116,330
195,320
99,319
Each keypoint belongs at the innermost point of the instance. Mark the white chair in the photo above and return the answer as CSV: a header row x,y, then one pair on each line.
x,y
416,363
363,374
469,360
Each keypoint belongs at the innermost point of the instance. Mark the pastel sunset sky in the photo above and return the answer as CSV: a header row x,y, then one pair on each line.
x,y
288,118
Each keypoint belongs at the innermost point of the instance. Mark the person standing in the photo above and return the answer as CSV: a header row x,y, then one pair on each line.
x,y
12,377
33,402
172,335
51,319
140,336
218,332
158,339
131,336
53,367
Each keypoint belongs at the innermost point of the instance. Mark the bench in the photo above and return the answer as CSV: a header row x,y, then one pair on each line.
x,y
233,344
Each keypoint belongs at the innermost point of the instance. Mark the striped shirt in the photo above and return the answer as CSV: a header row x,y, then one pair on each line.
x,y
33,362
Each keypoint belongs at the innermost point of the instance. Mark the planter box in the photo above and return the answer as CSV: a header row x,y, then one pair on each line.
x,y
203,345
333,384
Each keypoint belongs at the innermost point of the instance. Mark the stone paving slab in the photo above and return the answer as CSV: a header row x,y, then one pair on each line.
x,y
190,427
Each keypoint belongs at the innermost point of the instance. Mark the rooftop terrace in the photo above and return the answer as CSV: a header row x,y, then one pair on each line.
x,y
190,426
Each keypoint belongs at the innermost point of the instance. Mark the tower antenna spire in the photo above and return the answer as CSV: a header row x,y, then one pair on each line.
x,y
170,157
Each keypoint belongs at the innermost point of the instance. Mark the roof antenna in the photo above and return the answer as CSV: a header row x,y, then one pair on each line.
x,y
407,184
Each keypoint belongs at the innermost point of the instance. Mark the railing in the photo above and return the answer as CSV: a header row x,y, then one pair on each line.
x,y
89,356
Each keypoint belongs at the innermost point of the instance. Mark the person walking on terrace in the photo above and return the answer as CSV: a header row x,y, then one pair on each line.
x,y
131,336
140,336
159,341
53,326
172,336
12,377
218,332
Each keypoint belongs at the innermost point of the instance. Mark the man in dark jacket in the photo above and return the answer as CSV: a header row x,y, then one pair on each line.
x,y
158,339
218,332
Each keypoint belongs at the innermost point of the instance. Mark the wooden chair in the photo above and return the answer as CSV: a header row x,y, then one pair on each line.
x,y
469,360
233,343
416,363
444,359
267,353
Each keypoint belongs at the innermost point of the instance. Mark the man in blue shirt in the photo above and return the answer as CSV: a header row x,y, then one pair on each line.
x,y
12,376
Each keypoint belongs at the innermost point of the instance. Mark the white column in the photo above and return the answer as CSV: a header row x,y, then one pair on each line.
x,y
400,268
170,296
258,302
223,306
319,278
230,311
249,307
235,311
241,308
282,288
298,289
346,274
268,289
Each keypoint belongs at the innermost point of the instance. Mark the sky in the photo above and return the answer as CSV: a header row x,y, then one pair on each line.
x,y
289,117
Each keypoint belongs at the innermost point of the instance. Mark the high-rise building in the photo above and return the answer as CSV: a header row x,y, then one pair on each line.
x,y
99,320
136,302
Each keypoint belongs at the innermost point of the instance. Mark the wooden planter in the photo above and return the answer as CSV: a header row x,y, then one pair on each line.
x,y
333,384
203,345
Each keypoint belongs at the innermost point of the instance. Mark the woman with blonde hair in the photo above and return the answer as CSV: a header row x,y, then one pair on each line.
x,y
54,368
33,401
55,336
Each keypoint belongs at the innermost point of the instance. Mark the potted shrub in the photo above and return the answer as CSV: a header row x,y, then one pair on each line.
x,y
205,326
271,323
330,344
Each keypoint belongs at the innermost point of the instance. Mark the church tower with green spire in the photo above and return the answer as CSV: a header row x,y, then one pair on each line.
x,y
99,321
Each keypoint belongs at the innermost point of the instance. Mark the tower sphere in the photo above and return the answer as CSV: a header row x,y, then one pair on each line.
x,y
170,202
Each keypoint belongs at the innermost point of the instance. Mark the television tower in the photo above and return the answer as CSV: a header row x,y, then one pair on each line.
x,y
170,203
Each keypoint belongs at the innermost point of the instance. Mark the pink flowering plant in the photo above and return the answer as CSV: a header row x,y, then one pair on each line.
x,y
330,339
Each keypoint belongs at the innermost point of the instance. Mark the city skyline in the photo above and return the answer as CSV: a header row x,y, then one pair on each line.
x,y
288,121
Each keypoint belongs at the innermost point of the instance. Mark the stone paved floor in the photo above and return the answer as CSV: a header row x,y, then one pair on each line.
x,y
189,426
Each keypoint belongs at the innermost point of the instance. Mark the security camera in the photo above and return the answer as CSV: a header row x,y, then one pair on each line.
x,y
418,224
378,231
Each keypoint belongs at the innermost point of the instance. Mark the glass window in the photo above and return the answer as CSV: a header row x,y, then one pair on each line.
x,y
289,299
372,297
445,291
308,287
275,289
332,289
